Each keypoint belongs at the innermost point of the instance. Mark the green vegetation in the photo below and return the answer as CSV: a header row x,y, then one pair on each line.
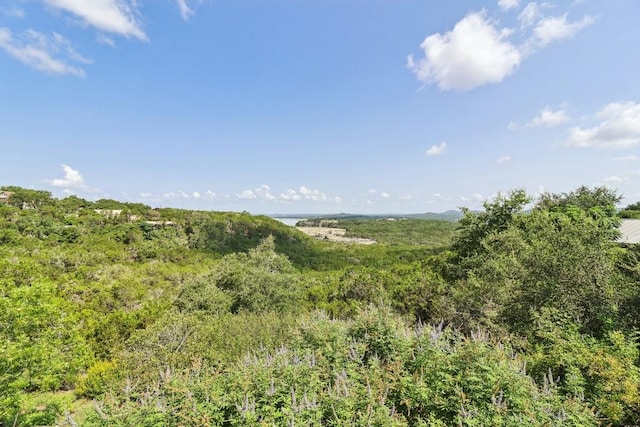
x,y
117,314
392,231
632,211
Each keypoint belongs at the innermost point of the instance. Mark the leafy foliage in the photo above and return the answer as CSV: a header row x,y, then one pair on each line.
x,y
632,211
369,371
115,313
394,231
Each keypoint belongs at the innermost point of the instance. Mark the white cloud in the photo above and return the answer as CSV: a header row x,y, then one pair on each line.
x,y
555,28
314,195
303,193
549,118
508,4
175,195
181,195
50,54
72,180
108,41
476,198
210,195
504,159
112,16
619,127
185,11
473,54
405,197
478,51
531,13
436,150
385,195
289,196
247,195
264,192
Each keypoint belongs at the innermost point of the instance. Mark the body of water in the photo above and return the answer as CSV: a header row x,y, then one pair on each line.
x,y
289,221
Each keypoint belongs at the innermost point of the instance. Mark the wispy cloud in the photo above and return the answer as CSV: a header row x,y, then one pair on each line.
x,y
554,28
476,198
14,12
508,4
504,159
103,39
264,193
48,53
290,196
436,150
532,13
185,10
53,53
549,118
315,195
247,195
173,195
180,195
111,16
618,127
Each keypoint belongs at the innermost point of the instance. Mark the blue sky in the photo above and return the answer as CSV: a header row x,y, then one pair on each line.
x,y
319,106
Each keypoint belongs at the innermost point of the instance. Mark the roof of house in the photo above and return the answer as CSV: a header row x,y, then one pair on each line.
x,y
630,231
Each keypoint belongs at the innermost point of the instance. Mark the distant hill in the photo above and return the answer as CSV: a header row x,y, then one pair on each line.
x,y
451,215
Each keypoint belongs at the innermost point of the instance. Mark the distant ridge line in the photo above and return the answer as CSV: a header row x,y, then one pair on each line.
x,y
451,215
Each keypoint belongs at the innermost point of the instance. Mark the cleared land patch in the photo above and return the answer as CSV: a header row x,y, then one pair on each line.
x,y
334,235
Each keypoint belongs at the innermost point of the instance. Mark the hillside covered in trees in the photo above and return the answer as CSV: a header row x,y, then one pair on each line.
x,y
117,314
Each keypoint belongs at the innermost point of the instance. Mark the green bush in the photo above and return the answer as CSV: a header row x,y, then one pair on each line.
x,y
95,382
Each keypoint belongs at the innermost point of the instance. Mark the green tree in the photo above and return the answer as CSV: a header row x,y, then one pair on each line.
x,y
603,198
73,203
559,256
31,199
632,211
599,203
496,217
42,347
260,280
